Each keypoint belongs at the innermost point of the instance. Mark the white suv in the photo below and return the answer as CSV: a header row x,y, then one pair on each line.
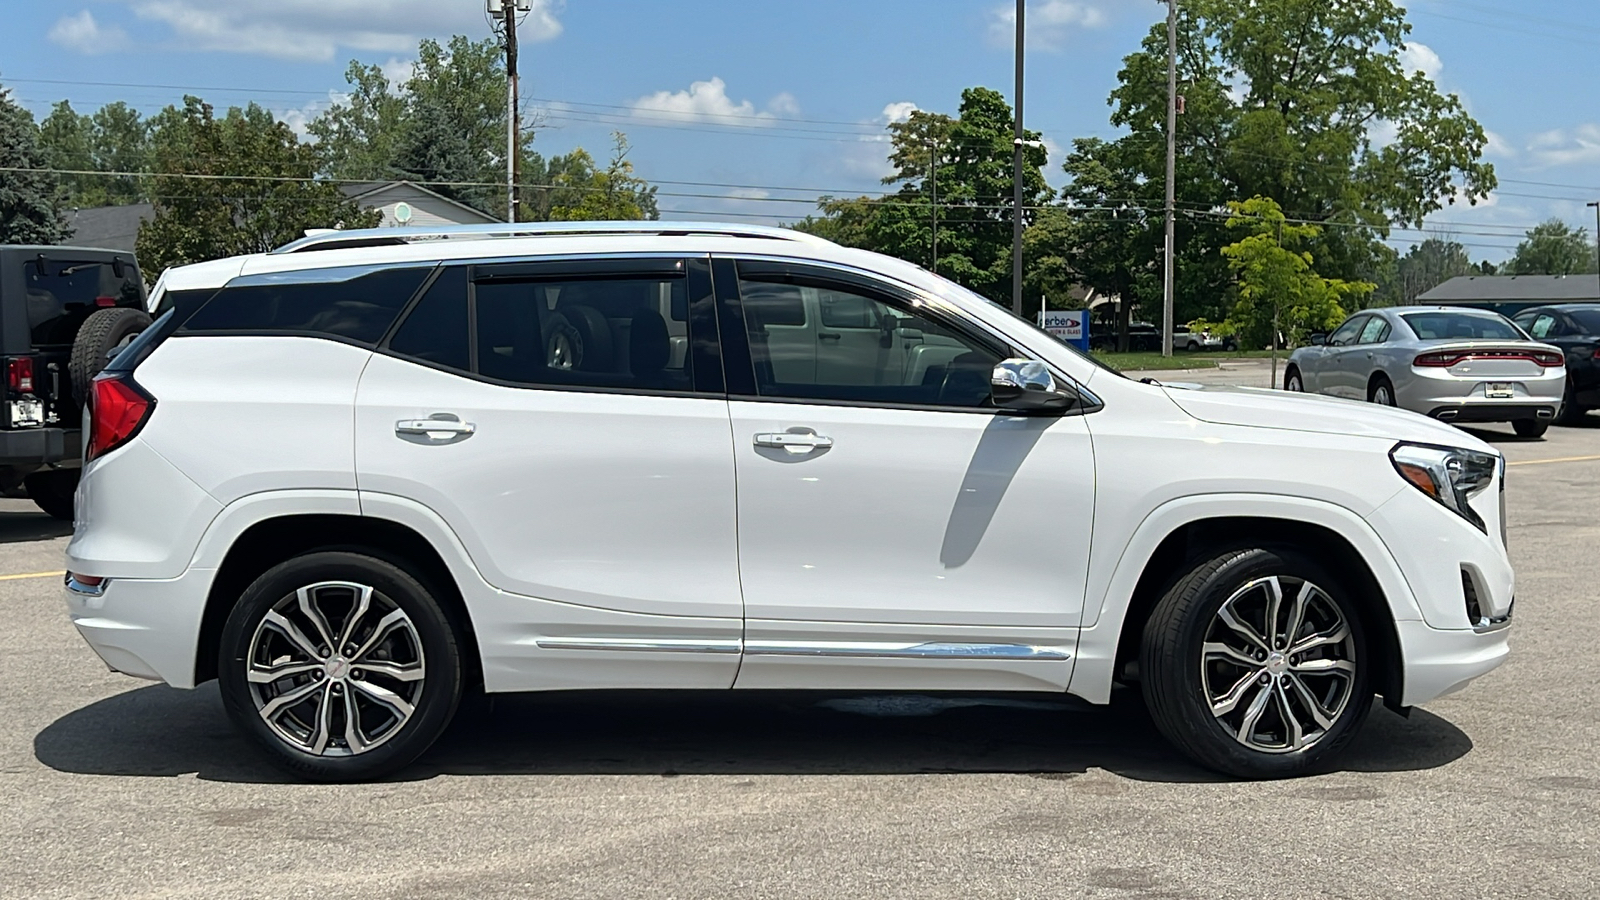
x,y
356,477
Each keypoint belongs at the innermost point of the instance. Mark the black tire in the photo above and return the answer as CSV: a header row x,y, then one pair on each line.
x,y
1192,346
1293,381
1175,668
594,336
1380,390
563,345
1570,412
101,333
1531,428
53,491
429,647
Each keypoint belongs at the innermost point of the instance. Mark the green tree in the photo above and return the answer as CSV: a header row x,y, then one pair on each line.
x,y
971,155
1285,100
356,137
1279,291
1553,248
571,188
114,139
29,200
240,184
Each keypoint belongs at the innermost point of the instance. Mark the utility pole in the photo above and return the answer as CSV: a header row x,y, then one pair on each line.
x,y
1167,279
1016,176
1596,206
933,187
507,11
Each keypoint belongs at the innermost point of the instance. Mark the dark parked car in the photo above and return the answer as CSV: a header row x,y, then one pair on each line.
x,y
1575,328
1142,336
63,312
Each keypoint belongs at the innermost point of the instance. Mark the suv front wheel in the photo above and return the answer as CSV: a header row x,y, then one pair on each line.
x,y
341,666
1255,664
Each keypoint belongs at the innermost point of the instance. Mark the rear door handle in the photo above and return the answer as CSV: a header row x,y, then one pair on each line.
x,y
828,336
794,442
439,427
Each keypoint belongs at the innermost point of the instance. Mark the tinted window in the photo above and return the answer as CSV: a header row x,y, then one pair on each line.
x,y
358,304
436,329
1376,331
621,333
64,292
1433,326
1587,319
905,356
1543,325
1346,333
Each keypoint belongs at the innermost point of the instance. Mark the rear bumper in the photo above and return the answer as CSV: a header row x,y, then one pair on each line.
x,y
31,448
146,628
1492,412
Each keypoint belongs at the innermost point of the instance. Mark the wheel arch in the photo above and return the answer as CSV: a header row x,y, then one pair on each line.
x,y
1185,530
1377,376
273,540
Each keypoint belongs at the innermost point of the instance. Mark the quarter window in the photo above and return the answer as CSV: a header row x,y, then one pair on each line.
x,y
1376,331
825,342
355,304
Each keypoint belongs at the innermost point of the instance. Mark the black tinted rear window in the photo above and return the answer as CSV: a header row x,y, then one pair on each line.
x,y
1432,326
1587,319
61,293
357,304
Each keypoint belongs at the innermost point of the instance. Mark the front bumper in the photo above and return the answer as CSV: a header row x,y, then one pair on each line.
x,y
1440,661
146,628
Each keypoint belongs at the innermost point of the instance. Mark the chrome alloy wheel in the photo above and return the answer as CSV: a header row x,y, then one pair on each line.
x,y
1278,664
336,668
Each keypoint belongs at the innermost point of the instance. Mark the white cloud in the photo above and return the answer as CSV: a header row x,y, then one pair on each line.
x,y
1048,23
397,70
897,112
85,35
708,101
323,29
1415,57
1563,147
1498,146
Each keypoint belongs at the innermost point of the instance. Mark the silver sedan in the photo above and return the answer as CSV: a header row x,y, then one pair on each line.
x,y
1457,365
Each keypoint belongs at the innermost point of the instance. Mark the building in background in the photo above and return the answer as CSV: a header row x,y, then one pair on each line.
x,y
1509,294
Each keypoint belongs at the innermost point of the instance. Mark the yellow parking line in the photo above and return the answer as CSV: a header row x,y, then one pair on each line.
x,y
57,574
1559,459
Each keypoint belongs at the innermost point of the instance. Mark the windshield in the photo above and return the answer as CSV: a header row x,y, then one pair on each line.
x,y
1034,326
1462,326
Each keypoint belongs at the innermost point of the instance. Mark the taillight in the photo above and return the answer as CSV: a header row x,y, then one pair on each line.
x,y
118,409
105,302
1444,359
19,374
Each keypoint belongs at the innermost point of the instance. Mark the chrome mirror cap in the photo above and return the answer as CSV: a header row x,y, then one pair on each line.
x,y
1027,384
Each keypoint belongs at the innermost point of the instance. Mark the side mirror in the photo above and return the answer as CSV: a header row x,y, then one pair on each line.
x,y
1318,339
1027,384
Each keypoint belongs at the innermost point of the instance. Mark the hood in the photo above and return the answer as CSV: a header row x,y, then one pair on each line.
x,y
1265,408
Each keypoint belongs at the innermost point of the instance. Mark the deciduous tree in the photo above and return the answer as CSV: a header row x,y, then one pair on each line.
x,y
1553,248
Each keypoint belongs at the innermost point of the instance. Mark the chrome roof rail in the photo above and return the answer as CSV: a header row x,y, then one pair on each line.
x,y
334,239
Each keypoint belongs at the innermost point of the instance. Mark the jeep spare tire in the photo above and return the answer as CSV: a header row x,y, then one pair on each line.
x,y
102,334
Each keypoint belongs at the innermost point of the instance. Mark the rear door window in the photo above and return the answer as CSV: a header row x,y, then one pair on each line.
x,y
62,292
352,303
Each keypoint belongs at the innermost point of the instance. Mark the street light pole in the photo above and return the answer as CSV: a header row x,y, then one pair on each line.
x,y
1596,206
1167,280
506,11
1016,176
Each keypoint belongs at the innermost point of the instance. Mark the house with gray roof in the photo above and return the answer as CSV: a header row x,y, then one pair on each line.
x,y
1509,294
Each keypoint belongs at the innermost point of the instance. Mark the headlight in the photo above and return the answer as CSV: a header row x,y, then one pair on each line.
x,y
1449,475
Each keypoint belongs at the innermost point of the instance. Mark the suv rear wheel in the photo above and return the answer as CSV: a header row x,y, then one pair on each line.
x,y
1255,664
341,666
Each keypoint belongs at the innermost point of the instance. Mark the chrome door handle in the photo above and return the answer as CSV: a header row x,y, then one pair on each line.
x,y
439,426
794,442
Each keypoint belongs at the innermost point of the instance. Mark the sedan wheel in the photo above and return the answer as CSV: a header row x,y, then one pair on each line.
x,y
341,666
1255,664
1383,394
1292,382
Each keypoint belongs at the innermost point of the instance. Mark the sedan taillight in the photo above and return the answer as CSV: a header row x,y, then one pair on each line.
x,y
118,408
1444,359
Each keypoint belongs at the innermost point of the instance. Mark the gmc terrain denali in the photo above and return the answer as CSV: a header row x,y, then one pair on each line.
x,y
357,476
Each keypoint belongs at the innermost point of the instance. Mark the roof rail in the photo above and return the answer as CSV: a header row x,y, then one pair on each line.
x,y
332,239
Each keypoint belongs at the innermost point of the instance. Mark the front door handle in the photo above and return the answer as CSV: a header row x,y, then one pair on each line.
x,y
829,336
794,442
439,427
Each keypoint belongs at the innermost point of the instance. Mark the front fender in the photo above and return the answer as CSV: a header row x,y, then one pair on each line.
x,y
1111,587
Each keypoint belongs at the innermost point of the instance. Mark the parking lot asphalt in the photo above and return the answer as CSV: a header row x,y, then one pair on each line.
x,y
111,787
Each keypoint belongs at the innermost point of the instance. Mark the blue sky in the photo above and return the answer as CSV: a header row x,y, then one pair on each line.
x,y
738,107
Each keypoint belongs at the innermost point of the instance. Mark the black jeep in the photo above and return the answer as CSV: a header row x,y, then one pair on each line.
x,y
63,312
